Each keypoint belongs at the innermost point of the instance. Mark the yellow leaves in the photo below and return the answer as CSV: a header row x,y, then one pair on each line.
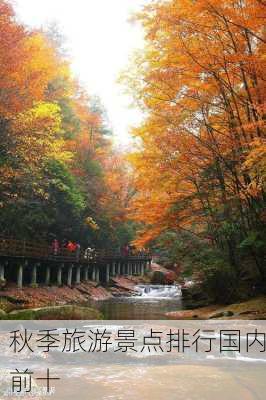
x,y
41,115
200,81
257,155
117,185
91,223
253,189
40,66
45,117
27,67
29,64
255,165
36,133
59,152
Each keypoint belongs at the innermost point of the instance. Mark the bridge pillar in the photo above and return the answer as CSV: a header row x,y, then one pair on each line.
x,y
20,277
34,275
130,272
2,272
86,273
122,268
119,269
107,276
97,276
78,275
136,266
126,268
93,277
59,275
142,269
47,275
113,269
69,275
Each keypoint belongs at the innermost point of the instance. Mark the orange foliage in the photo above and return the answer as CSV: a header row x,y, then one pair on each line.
x,y
201,81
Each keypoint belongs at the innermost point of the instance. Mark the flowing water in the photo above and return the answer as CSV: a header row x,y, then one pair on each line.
x,y
150,302
159,291
148,375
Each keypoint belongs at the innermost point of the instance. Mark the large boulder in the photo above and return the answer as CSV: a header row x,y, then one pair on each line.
x,y
161,275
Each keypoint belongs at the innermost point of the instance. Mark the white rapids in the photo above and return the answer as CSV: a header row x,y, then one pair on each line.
x,y
162,291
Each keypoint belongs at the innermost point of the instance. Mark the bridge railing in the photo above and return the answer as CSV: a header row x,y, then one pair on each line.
x,y
22,248
41,250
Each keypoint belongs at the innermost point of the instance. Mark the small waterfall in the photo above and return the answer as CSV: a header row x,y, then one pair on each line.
x,y
155,291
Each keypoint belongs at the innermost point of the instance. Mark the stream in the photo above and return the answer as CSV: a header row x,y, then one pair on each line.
x,y
130,375
141,372
150,303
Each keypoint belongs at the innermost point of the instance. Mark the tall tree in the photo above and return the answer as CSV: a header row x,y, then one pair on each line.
x,y
201,164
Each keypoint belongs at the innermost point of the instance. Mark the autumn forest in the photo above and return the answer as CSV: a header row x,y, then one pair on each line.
x,y
191,188
60,176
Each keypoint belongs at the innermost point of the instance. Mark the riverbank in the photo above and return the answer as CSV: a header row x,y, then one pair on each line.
x,y
14,299
56,302
251,309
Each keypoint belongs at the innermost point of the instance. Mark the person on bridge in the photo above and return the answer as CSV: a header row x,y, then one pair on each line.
x,y
125,251
89,253
72,247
